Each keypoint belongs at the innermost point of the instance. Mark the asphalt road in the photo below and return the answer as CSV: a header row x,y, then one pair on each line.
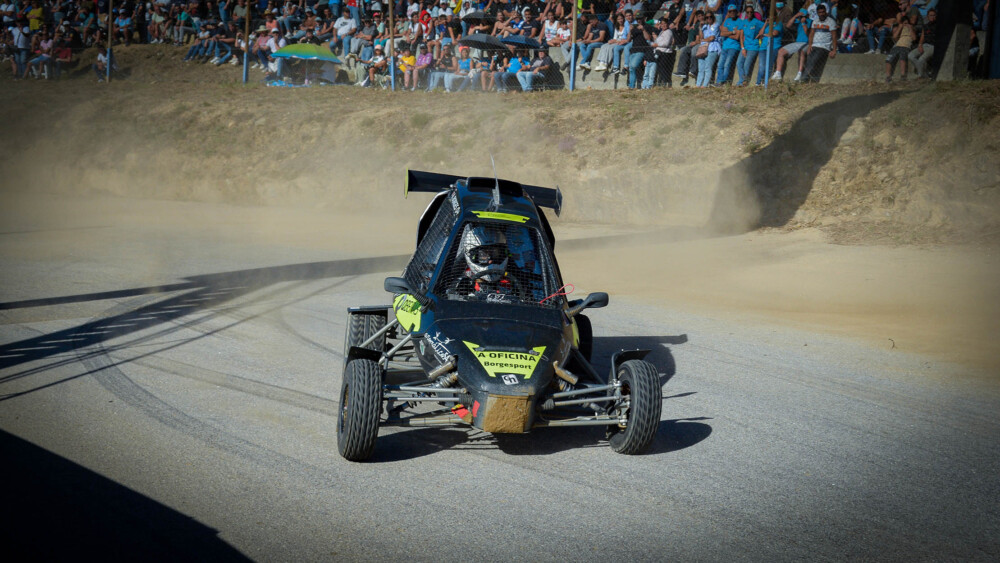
x,y
187,411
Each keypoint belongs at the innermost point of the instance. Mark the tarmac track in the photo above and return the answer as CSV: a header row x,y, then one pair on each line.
x,y
195,418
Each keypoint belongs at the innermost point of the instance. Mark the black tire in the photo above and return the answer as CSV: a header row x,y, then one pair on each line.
x,y
586,346
641,383
360,405
361,327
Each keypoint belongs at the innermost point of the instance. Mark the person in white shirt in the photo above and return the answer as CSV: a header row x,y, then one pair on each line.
x,y
275,43
346,27
821,45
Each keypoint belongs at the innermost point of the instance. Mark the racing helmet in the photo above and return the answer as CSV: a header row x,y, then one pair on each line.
x,y
485,251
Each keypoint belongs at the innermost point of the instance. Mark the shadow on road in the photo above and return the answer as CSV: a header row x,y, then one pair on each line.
x,y
58,510
766,188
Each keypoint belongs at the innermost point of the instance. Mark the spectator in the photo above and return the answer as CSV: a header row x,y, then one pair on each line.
x,y
183,27
730,33
156,26
259,48
538,70
770,42
641,57
663,52
904,36
594,38
802,24
123,25
507,71
686,62
878,28
461,71
487,65
750,45
274,44
423,63
608,54
43,55
225,40
851,26
22,46
550,29
62,55
101,65
346,28
442,66
376,66
924,51
531,27
709,46
821,45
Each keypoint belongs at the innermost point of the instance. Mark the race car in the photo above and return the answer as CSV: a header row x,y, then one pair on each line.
x,y
481,331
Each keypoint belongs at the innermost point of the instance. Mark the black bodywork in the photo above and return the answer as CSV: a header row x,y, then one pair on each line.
x,y
504,363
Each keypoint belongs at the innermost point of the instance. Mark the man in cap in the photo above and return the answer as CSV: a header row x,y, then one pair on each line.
x,y
375,66
275,44
730,31
538,70
821,44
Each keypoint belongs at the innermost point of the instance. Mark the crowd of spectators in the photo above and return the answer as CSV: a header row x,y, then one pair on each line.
x,y
715,42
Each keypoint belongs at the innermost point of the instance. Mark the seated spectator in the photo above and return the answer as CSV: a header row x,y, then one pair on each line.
x,y
101,65
924,52
183,27
363,42
538,71
259,47
345,28
274,44
61,56
407,64
225,40
462,74
508,71
203,45
851,27
821,45
608,55
593,39
485,67
123,27
904,36
239,12
530,26
443,66
156,27
376,66
550,28
686,63
499,25
422,65
42,51
801,23
878,26
326,30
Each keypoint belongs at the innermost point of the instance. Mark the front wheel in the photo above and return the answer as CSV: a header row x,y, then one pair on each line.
x,y
360,404
641,402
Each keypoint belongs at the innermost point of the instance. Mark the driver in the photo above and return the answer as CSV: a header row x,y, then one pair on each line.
x,y
485,252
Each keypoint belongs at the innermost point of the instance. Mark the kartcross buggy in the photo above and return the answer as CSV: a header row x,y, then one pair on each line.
x,y
481,332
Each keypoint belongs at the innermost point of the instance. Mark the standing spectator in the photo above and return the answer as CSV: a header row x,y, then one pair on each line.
x,y
708,39
640,58
663,52
770,42
801,23
750,44
22,46
730,33
355,11
685,59
821,45
538,70
904,36
920,56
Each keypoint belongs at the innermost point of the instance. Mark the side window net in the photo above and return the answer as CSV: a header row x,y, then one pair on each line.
x,y
425,259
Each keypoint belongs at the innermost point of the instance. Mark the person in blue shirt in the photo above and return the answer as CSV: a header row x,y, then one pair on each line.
x,y
801,23
770,40
750,44
730,33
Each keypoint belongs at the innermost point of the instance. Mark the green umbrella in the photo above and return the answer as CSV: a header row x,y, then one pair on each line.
x,y
307,51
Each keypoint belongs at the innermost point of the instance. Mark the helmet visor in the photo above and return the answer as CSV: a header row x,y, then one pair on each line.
x,y
488,254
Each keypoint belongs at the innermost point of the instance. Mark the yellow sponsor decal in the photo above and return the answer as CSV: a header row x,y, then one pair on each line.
x,y
501,216
407,310
517,363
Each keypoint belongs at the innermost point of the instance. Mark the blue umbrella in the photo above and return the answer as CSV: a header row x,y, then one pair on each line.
x,y
521,41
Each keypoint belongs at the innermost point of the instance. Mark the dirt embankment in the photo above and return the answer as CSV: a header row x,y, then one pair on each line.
x,y
864,162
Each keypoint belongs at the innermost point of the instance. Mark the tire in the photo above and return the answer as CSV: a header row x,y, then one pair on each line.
x,y
361,327
586,346
360,405
641,383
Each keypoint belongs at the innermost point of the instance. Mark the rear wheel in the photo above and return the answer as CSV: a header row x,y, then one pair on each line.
x,y
360,405
361,327
641,402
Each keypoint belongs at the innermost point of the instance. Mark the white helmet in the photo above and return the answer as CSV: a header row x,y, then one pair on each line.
x,y
485,251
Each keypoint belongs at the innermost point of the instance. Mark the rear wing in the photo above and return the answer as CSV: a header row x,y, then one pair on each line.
x,y
433,182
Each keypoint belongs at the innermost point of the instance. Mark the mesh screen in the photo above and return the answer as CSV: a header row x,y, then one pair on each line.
x,y
428,253
527,278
